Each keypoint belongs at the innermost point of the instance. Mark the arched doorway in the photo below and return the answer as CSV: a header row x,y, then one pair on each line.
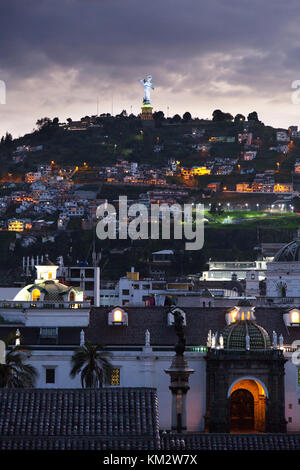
x,y
241,411
247,406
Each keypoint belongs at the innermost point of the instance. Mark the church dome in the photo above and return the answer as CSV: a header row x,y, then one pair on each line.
x,y
235,336
289,252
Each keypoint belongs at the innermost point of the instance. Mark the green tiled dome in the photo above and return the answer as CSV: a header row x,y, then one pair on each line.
x,y
235,335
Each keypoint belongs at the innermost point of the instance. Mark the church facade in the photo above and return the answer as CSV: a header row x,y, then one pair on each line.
x,y
246,368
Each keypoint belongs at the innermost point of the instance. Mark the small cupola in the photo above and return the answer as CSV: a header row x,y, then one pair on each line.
x,y
243,311
243,333
46,271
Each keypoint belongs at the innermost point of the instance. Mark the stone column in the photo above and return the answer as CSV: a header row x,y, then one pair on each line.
x,y
179,373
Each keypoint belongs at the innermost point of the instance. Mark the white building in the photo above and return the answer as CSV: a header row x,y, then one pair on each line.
x,y
228,270
282,136
141,342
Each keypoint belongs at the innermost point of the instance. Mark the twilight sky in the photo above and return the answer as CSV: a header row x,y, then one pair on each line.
x,y
58,56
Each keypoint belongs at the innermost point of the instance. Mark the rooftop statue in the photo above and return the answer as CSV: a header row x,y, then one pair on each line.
x,y
179,328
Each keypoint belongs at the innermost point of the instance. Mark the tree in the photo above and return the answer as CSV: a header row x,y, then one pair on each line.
x,y
187,116
253,116
43,123
123,114
7,139
219,116
15,373
92,363
213,208
239,118
176,118
228,117
158,116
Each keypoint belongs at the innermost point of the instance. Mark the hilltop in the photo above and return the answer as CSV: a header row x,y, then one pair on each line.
x,y
104,140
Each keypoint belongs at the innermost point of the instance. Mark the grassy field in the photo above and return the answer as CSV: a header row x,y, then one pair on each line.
x,y
247,219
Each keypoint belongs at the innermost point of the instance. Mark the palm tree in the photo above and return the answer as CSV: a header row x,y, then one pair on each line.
x,y
92,363
15,373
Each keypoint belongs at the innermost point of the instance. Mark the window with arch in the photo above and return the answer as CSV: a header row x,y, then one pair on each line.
x,y
295,316
36,295
231,316
118,316
72,296
292,317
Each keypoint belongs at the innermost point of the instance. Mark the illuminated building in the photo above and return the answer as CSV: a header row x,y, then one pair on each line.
x,y
195,171
264,187
33,177
283,188
15,225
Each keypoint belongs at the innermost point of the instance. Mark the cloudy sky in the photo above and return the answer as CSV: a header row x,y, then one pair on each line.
x,y
58,57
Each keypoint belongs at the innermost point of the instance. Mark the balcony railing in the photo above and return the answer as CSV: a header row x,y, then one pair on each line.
x,y
22,305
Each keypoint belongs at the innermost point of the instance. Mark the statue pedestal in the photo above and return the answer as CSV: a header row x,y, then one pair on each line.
x,y
146,115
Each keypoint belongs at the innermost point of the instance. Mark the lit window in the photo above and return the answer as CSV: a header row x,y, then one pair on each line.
x,y
36,295
233,316
72,296
118,315
50,275
295,317
115,377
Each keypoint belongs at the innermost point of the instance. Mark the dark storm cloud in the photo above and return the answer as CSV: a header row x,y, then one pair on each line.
x,y
216,47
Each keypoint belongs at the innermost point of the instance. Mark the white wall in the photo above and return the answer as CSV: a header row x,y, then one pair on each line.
x,y
139,369
292,396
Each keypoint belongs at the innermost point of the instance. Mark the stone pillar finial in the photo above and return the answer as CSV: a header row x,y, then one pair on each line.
x,y
281,341
147,338
274,340
247,342
82,338
18,337
209,339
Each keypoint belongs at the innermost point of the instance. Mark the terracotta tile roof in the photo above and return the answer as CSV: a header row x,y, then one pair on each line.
x,y
230,442
78,418
199,322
